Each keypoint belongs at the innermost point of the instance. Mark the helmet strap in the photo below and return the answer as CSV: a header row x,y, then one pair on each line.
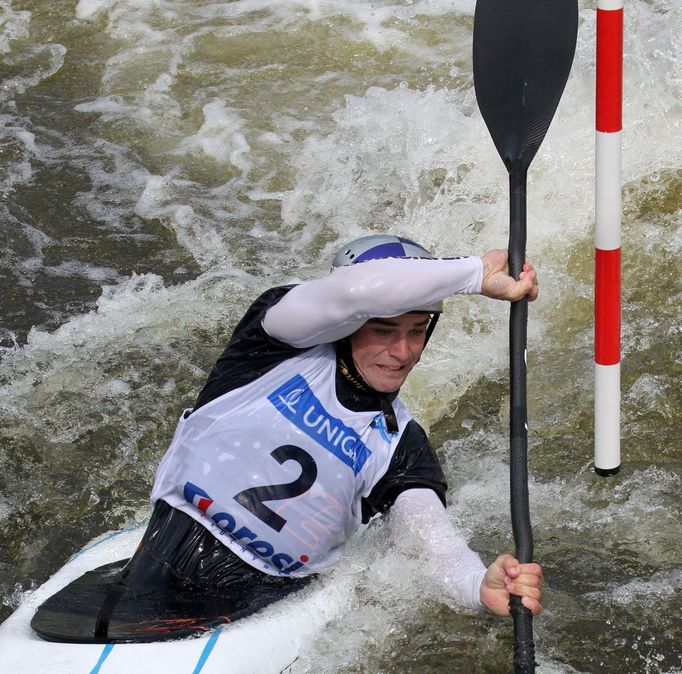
x,y
346,367
431,327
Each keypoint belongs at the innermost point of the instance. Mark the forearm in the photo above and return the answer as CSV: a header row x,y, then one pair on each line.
x,y
335,306
450,562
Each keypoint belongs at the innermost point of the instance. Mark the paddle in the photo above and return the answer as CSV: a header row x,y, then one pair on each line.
x,y
523,50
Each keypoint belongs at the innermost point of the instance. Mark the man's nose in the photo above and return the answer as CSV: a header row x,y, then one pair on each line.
x,y
400,348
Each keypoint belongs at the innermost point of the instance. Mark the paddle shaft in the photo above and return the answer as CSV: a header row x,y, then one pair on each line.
x,y
524,652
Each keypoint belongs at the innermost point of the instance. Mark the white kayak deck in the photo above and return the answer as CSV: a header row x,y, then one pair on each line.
x,y
267,642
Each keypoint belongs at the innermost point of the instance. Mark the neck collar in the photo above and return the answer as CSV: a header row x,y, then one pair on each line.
x,y
354,392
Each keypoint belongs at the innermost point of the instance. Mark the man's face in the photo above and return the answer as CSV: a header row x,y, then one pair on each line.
x,y
386,349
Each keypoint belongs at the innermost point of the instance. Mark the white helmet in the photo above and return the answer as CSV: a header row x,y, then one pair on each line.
x,y
380,246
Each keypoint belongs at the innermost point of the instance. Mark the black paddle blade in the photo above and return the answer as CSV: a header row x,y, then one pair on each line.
x,y
523,51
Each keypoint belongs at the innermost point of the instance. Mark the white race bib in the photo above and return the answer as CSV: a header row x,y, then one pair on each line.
x,y
277,469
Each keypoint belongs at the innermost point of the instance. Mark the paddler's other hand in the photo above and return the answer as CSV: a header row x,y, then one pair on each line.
x,y
506,576
500,286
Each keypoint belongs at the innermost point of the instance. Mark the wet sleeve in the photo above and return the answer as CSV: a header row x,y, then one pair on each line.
x,y
331,308
414,465
419,519
250,353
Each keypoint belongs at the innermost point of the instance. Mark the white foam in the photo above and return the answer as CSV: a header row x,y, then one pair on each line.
x,y
140,306
220,136
78,268
479,478
87,9
112,388
111,108
648,593
35,63
14,25
20,147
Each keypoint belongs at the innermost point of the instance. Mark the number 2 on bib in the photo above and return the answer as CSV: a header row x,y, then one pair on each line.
x,y
253,497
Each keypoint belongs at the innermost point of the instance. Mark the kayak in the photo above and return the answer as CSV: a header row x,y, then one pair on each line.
x,y
266,642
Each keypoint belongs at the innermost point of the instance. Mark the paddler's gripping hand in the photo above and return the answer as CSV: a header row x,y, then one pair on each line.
x,y
506,576
500,286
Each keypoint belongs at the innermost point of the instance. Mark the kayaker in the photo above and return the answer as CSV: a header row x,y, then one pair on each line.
x,y
298,437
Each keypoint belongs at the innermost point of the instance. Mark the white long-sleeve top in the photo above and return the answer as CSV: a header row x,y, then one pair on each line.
x,y
334,306
452,565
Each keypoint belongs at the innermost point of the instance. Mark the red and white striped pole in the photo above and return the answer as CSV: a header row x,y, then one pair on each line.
x,y
608,236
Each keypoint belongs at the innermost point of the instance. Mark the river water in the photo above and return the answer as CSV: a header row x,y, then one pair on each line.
x,y
163,161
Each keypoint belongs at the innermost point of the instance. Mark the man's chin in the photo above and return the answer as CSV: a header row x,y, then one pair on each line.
x,y
384,384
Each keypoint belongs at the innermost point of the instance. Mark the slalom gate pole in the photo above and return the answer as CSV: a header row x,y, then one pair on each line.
x,y
607,302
